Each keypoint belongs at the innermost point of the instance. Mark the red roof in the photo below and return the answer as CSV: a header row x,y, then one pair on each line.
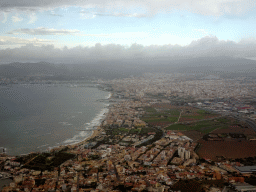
x,y
243,107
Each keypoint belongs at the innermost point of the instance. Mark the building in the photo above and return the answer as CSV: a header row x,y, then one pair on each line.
x,y
242,187
246,169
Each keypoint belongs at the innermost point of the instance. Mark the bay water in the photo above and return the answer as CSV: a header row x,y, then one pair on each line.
x,y
38,117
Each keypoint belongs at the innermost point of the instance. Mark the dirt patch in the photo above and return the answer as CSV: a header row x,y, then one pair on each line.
x,y
195,135
236,129
227,149
160,124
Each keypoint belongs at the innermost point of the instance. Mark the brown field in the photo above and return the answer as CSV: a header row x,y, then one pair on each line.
x,y
236,129
227,149
165,106
185,119
160,124
195,135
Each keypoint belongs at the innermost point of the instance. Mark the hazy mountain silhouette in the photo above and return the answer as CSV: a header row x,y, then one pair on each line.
x,y
124,68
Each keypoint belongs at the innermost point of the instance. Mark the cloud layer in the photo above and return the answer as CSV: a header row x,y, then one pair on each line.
x,y
4,40
209,46
43,31
205,7
86,14
16,19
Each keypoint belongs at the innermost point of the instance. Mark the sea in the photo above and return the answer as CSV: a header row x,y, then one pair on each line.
x,y
39,117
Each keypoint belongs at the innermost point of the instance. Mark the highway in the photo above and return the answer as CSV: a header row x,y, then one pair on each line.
x,y
250,122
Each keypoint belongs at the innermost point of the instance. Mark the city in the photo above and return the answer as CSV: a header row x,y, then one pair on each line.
x,y
163,132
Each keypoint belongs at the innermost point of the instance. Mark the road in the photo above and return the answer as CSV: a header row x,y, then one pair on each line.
x,y
179,116
251,123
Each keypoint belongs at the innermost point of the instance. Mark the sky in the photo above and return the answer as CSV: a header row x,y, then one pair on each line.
x,y
126,28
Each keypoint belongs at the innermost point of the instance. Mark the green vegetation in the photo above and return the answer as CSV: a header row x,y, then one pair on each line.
x,y
150,109
123,129
94,157
47,161
118,131
157,136
147,130
177,127
222,120
205,126
161,119
134,131
199,114
173,119
201,111
207,130
170,115
174,112
199,117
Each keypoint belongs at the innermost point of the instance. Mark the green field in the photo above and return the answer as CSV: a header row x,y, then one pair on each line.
x,y
147,130
150,110
177,127
222,120
172,115
41,162
198,115
119,131
194,116
163,119
201,111
152,116
134,131
174,112
205,126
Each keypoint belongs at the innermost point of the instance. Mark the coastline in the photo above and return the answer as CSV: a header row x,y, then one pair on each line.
x,y
94,128
96,132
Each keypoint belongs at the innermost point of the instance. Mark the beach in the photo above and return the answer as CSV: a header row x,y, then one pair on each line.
x,y
96,132
45,117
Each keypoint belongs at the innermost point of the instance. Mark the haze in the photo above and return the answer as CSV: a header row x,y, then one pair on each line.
x,y
81,31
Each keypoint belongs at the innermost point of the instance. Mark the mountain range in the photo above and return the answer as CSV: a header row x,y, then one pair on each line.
x,y
125,68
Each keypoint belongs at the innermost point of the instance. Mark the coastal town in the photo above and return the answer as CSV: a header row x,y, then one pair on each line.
x,y
162,132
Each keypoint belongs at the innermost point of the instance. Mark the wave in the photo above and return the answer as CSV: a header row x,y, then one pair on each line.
x,y
43,146
109,95
89,126
65,123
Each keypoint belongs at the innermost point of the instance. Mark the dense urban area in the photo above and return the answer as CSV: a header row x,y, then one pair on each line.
x,y
163,132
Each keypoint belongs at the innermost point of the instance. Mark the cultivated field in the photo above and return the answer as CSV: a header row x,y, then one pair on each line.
x,y
227,149
165,114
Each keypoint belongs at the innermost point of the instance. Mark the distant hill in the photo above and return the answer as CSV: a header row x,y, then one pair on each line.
x,y
30,69
110,69
216,64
